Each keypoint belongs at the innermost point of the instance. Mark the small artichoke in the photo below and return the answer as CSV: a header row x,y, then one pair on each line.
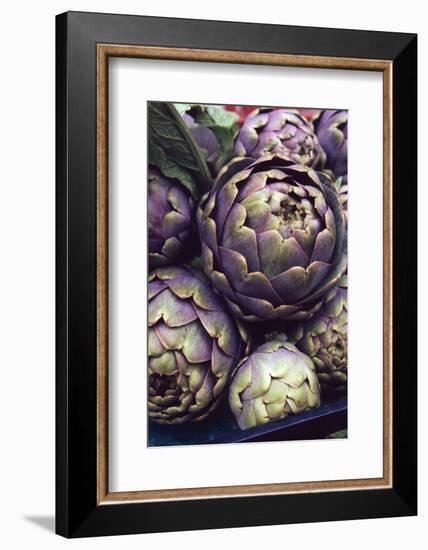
x,y
170,216
274,381
273,238
331,128
324,338
193,346
279,131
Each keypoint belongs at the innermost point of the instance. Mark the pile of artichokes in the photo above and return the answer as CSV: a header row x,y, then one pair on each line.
x,y
247,257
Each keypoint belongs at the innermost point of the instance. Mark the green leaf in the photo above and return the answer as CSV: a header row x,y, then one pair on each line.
x,y
172,170
226,139
224,125
182,107
212,116
173,150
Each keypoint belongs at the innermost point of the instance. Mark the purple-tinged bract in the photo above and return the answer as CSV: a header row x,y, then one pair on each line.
x,y
194,346
279,131
170,215
273,238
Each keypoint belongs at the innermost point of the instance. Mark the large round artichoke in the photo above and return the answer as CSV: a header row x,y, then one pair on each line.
x,y
170,217
279,131
325,339
331,128
194,345
275,380
273,238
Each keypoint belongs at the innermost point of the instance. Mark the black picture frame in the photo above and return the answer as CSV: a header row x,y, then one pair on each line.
x,y
78,513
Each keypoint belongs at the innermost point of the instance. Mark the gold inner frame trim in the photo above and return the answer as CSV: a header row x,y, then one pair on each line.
x,y
104,51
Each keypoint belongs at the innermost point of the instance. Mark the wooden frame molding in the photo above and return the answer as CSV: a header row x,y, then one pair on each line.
x,y
104,52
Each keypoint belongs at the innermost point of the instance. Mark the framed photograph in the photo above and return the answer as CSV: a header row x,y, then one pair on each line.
x,y
236,274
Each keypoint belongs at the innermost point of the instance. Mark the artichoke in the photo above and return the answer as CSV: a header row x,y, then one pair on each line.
x,y
275,380
273,238
170,216
279,131
331,128
193,346
324,339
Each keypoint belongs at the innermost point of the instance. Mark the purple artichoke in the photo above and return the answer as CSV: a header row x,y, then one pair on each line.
x,y
275,380
273,238
325,339
331,128
194,346
279,131
170,214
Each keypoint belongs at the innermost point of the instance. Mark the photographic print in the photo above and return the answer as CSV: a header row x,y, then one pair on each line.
x,y
247,264
204,239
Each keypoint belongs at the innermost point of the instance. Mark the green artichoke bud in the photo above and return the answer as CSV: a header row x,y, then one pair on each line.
x,y
275,380
194,345
324,338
